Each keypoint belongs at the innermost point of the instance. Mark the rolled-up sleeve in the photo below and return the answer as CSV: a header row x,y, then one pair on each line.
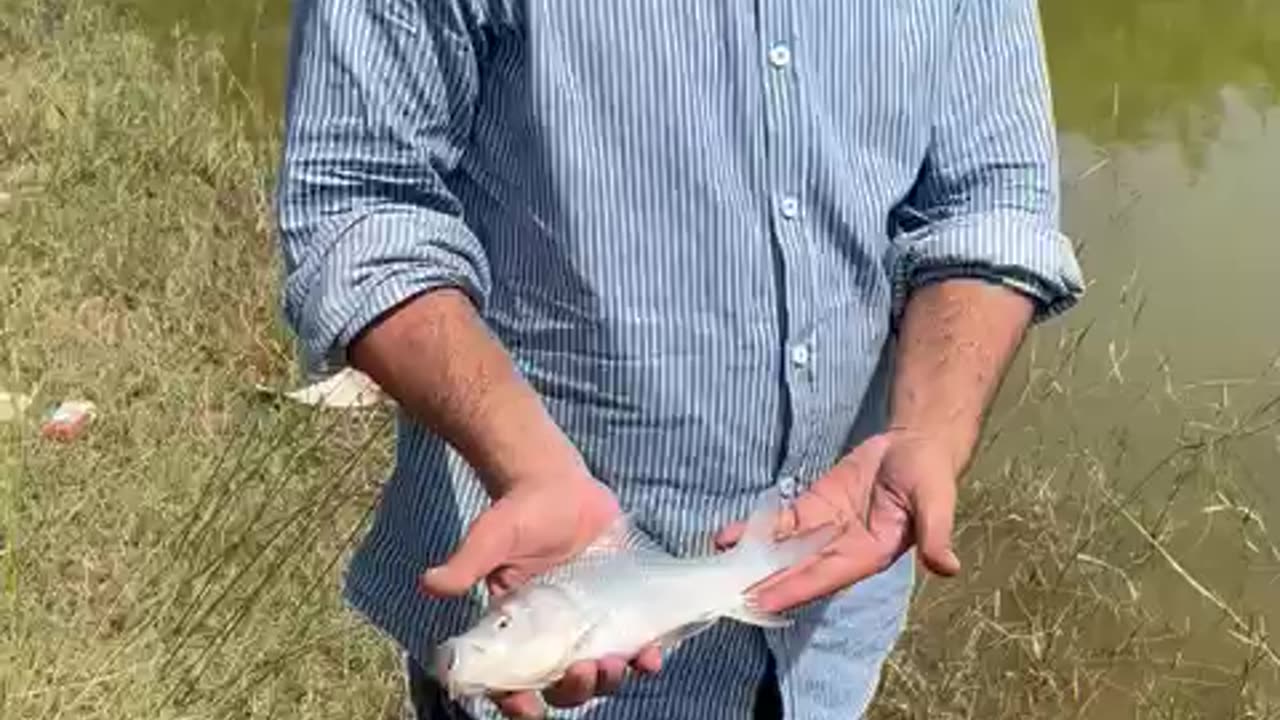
x,y
379,105
986,204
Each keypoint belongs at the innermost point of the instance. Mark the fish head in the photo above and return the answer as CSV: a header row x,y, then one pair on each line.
x,y
523,642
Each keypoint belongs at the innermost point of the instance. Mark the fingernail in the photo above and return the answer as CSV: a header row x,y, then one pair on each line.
x,y
425,579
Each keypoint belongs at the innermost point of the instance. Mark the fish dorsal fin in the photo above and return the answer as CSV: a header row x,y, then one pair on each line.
x,y
621,538
624,536
764,517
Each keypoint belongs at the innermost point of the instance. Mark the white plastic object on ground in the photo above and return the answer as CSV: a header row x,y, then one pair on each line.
x,y
348,388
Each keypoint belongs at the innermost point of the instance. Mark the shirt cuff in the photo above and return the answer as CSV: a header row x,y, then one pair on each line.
x,y
375,263
1009,248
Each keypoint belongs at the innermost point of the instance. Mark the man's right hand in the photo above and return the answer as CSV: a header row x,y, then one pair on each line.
x,y
524,532
437,358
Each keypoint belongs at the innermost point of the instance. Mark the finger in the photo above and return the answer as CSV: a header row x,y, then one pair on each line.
x,y
576,687
933,504
649,660
522,705
840,497
486,546
733,532
729,536
806,582
503,581
609,674
826,504
810,510
862,466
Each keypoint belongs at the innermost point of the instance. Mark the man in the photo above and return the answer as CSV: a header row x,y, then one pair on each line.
x,y
660,257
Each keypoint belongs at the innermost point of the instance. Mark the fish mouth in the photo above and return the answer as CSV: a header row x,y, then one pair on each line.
x,y
442,662
443,666
460,689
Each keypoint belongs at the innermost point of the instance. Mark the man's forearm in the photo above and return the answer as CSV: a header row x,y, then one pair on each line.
x,y
957,338
436,357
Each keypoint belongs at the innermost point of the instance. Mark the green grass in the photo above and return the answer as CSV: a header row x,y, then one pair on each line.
x,y
181,560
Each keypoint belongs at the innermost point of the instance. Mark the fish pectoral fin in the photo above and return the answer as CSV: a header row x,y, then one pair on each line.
x,y
750,614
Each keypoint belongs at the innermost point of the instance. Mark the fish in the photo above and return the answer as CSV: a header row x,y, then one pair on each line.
x,y
621,594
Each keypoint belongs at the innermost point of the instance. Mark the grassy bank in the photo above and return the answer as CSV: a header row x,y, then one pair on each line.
x,y
180,559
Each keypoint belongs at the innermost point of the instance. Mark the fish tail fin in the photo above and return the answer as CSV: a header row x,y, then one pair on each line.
x,y
759,555
748,612
771,555
763,519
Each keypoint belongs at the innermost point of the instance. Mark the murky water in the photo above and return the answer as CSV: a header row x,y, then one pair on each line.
x,y
1170,131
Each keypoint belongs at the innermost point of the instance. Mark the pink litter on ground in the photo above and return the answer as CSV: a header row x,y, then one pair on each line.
x,y
68,420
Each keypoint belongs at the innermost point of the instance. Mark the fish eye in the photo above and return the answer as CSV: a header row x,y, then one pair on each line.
x,y
503,622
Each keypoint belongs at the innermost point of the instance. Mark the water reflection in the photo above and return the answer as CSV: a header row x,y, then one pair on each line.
x,y
1137,71
1124,71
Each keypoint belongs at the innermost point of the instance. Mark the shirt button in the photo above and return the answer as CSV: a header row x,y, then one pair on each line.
x,y
800,355
790,207
786,486
779,56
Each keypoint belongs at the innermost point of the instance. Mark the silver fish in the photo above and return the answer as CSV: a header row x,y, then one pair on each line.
x,y
620,594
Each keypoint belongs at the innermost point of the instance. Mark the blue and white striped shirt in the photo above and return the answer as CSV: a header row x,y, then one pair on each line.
x,y
692,224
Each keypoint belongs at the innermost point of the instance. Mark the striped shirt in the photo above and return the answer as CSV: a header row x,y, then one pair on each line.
x,y
693,224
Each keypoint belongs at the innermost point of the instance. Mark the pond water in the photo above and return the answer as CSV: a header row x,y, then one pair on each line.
x,y
1170,132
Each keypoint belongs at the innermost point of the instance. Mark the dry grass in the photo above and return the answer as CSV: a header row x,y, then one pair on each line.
x,y
1113,570
181,559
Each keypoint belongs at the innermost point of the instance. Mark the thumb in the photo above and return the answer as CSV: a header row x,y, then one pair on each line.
x,y
486,546
934,505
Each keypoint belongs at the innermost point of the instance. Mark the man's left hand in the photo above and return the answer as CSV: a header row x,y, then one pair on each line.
x,y
895,490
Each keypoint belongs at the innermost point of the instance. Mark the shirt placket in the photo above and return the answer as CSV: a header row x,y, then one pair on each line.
x,y
788,209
